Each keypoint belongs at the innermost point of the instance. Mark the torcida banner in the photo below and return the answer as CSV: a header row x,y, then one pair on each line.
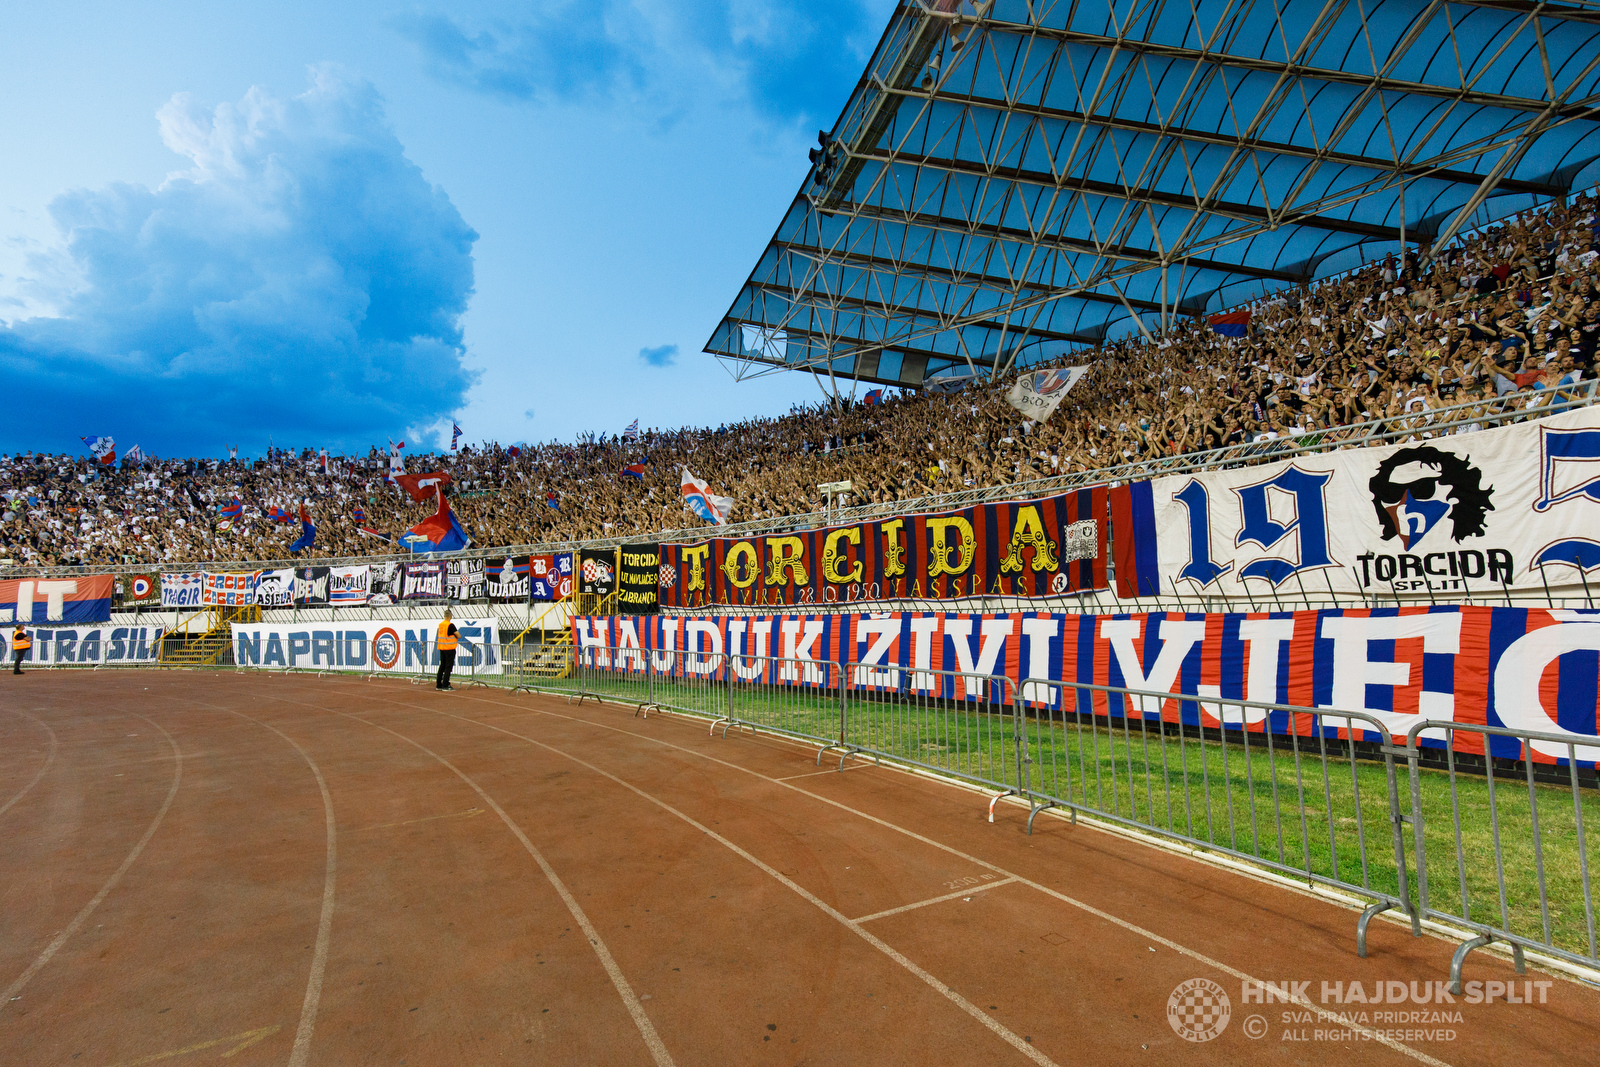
x,y
1031,548
1525,669
1472,514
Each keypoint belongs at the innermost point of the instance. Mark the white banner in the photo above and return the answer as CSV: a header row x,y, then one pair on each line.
x,y
398,646
1036,395
275,589
347,586
383,588
1516,507
181,590
103,644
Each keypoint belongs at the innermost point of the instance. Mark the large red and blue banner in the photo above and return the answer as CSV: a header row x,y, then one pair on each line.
x,y
1030,548
1524,669
77,600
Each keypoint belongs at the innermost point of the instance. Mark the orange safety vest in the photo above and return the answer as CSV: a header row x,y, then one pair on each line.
x,y
21,640
447,640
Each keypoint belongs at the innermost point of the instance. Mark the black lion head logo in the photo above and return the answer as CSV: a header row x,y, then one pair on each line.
x,y
1417,487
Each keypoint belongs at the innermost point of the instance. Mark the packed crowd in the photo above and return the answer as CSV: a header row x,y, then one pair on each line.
x,y
1511,309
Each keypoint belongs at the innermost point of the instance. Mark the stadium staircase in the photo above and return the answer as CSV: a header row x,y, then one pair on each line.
x,y
209,648
548,655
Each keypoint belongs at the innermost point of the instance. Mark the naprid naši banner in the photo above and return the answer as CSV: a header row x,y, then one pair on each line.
x,y
379,647
104,645
1525,669
1513,508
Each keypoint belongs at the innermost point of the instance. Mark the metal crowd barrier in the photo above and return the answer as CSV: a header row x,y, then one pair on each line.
x,y
1536,848
1268,785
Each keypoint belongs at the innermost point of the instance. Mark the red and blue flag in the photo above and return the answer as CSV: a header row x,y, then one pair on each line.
x,y
440,532
634,470
1230,323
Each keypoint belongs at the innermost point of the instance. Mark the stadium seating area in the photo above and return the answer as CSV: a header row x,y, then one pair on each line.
x,y
1511,308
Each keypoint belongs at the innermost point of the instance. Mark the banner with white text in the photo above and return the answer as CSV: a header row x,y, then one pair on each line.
x,y
1519,668
396,646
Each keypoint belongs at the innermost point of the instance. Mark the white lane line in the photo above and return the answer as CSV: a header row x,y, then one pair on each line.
x,y
853,925
829,770
967,892
49,758
301,1052
34,968
1304,1002
647,1030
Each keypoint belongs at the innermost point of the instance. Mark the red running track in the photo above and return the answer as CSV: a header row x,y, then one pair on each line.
x,y
259,869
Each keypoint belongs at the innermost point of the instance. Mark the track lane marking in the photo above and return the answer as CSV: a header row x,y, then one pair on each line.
x,y
854,926
11,991
244,1041
49,758
647,1030
1200,957
967,892
301,1053
469,813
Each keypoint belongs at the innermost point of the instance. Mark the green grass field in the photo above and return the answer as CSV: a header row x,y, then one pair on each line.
x,y
1299,806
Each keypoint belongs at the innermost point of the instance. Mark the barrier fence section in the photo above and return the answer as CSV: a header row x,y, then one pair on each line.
x,y
1505,855
1278,786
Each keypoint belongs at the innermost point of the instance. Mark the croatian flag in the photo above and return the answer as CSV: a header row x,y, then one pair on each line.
x,y
308,533
873,399
367,531
634,470
1230,323
103,449
231,511
632,432
704,503
440,532
396,464
455,435
277,514
322,456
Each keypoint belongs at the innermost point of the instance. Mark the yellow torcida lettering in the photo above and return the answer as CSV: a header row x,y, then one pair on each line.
x,y
1029,530
751,569
695,557
831,555
786,554
939,547
894,549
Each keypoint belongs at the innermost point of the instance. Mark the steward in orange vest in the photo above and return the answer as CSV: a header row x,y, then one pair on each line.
x,y
447,654
21,641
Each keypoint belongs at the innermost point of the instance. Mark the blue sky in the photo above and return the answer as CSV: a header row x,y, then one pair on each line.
x,y
336,223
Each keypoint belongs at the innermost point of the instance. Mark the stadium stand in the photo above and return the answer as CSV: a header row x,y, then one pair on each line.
x,y
1509,310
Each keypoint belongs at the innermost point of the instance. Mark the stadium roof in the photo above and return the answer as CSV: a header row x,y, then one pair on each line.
x,y
1013,179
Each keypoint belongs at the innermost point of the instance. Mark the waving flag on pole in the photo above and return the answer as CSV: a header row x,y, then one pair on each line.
x,y
700,500
420,486
231,511
277,514
103,449
438,533
455,435
872,399
322,457
308,533
133,455
634,470
632,432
